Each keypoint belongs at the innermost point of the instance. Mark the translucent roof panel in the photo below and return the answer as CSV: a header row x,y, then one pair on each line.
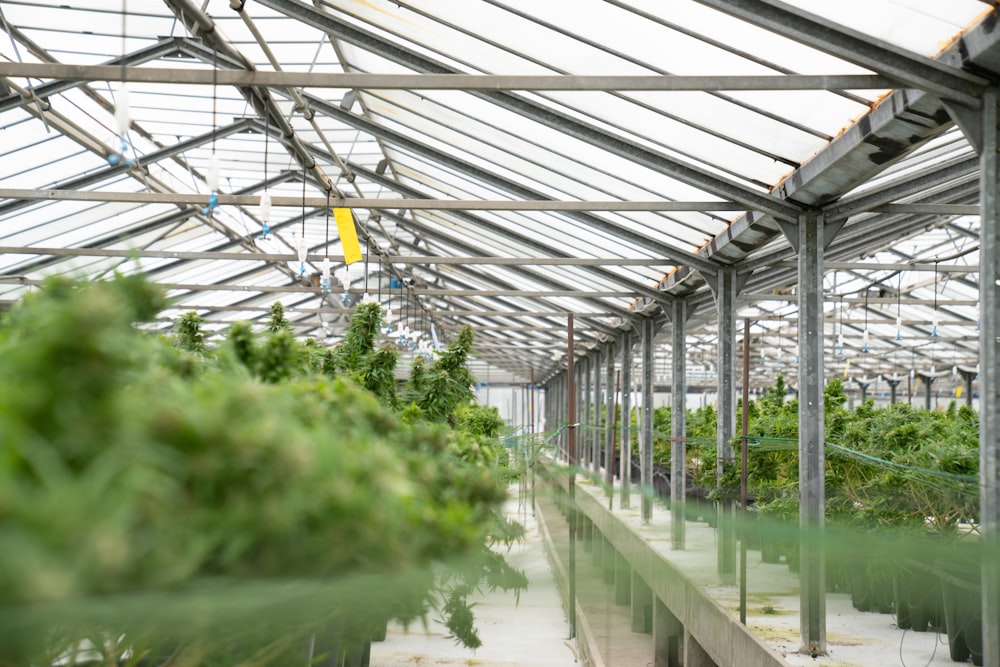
x,y
677,153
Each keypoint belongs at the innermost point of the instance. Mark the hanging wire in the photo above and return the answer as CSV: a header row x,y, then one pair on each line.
x,y
864,346
781,322
899,308
840,337
27,81
303,249
265,199
124,23
327,233
215,90
325,272
402,310
934,327
212,173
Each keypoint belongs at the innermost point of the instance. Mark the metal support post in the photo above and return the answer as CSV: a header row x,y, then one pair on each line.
x,y
989,375
609,418
626,451
583,436
893,383
646,438
725,299
678,409
554,399
863,386
744,464
928,381
596,441
572,420
968,376
812,581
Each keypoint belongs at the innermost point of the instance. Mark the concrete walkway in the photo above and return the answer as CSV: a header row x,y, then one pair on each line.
x,y
607,625
531,632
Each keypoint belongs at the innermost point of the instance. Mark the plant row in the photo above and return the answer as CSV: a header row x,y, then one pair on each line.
x,y
169,501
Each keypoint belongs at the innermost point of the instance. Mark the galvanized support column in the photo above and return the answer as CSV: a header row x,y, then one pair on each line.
x,y
559,410
551,389
928,380
626,450
725,301
583,433
893,383
596,441
572,420
609,418
678,418
646,438
989,375
812,580
968,377
863,386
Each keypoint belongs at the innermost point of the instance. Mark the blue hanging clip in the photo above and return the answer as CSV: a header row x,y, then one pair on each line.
x,y
125,153
265,234
213,205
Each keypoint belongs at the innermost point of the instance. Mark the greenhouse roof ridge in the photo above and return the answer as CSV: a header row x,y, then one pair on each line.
x,y
508,163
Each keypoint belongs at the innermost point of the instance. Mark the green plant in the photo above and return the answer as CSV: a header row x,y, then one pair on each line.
x,y
209,514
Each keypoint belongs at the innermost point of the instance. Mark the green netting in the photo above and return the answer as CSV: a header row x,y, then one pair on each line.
x,y
939,479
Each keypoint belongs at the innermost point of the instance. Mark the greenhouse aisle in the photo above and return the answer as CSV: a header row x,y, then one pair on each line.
x,y
854,638
609,625
530,632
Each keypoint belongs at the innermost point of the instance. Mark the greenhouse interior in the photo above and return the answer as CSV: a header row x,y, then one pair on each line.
x,y
400,332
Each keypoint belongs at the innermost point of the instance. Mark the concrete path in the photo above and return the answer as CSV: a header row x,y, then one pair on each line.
x,y
531,632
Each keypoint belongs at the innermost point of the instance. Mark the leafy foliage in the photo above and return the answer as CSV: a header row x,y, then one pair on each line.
x,y
179,507
439,391
188,335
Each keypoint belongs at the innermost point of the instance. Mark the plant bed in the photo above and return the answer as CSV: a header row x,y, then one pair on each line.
x,y
918,601
961,595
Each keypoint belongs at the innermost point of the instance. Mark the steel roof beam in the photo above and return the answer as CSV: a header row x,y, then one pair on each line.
x,y
55,193
94,250
505,232
68,73
962,169
438,312
161,49
300,289
910,69
669,252
661,163
87,180
896,126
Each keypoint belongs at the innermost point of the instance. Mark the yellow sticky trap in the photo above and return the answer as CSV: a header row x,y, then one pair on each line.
x,y
958,391
348,235
847,368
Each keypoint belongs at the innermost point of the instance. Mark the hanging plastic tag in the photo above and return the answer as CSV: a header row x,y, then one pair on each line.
x,y
348,235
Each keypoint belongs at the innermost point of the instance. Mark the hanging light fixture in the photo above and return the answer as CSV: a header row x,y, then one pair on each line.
x,y
213,169
302,247
324,280
123,116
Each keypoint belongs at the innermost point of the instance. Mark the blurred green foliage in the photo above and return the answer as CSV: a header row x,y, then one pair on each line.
x,y
159,497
